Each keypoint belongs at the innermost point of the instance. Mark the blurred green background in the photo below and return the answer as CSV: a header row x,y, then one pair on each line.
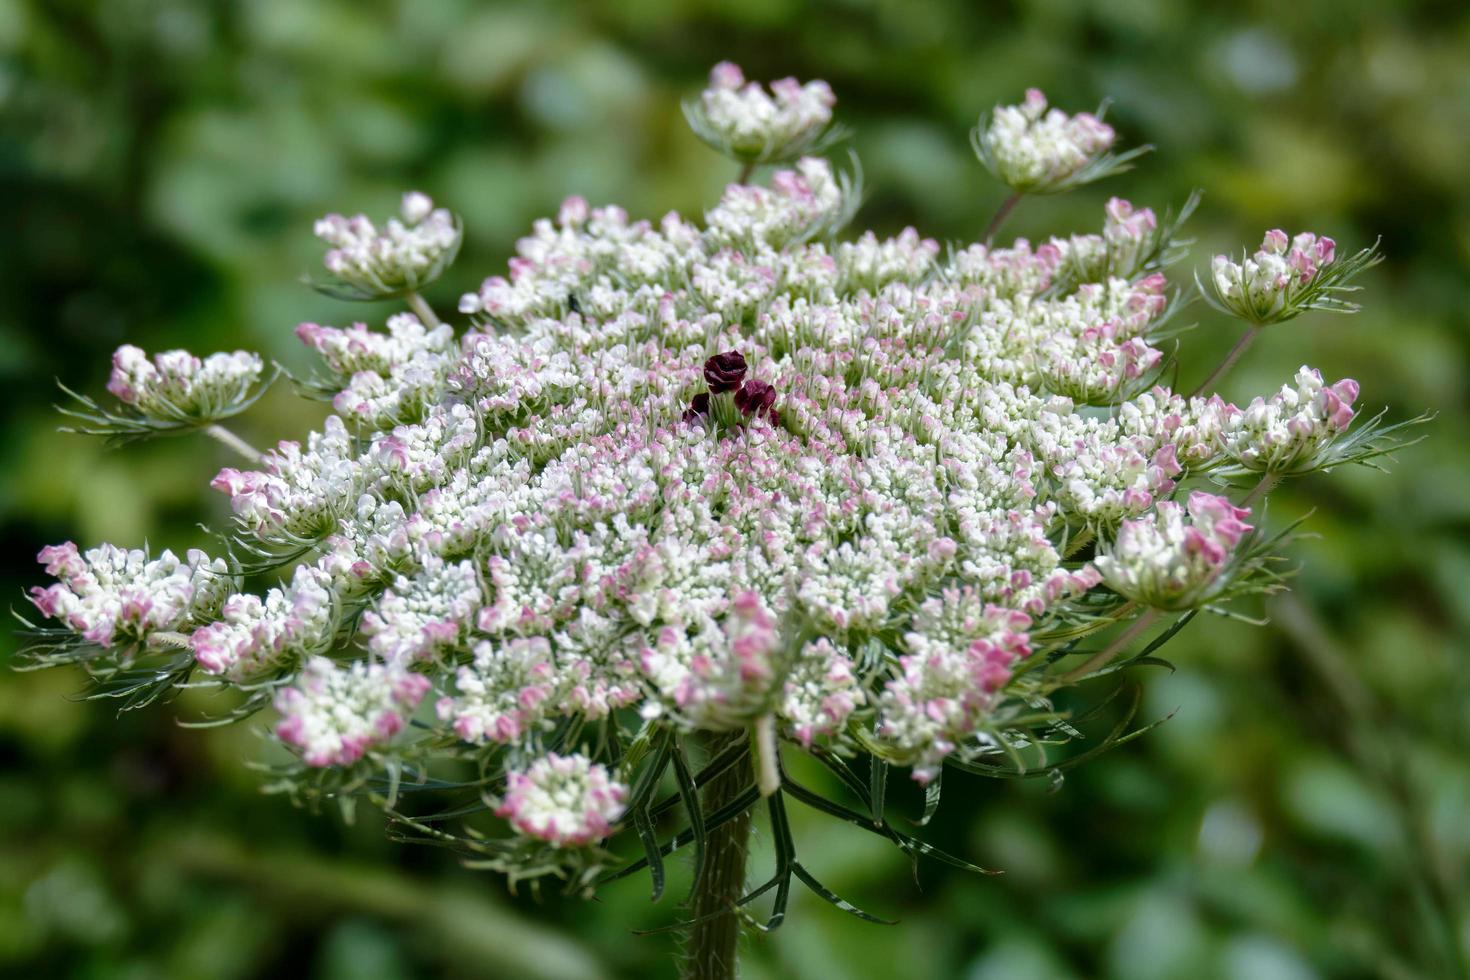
x,y
1306,813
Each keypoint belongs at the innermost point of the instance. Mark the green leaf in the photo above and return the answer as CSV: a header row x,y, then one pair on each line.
x,y
832,898
931,799
877,787
689,793
713,822
715,767
653,854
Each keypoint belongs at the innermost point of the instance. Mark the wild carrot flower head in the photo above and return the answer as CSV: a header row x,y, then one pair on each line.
x,y
728,475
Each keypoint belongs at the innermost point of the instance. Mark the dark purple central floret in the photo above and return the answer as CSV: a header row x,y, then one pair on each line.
x,y
698,407
724,372
756,398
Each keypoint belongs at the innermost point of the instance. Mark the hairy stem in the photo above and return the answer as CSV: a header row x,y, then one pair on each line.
x,y
1118,645
1224,366
710,948
1001,214
1266,485
421,309
228,438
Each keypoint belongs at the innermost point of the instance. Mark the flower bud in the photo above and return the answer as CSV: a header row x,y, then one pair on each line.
x,y
368,262
1034,150
747,123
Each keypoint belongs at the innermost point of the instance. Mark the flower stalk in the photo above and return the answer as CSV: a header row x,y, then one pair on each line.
x,y
225,437
999,218
1120,643
421,309
714,932
1223,368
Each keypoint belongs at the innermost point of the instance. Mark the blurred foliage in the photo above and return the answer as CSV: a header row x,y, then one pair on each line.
x,y
1303,813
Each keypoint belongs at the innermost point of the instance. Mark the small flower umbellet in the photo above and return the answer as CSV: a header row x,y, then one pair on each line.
x,y
1134,242
1033,149
406,254
684,498
1287,277
334,715
1179,558
176,385
567,801
750,124
113,597
170,393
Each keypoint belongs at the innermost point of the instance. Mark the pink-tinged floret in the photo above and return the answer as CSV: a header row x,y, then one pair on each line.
x,y
566,801
335,715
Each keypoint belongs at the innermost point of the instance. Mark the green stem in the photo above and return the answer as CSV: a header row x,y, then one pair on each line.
x,y
1267,483
1124,639
1224,366
228,438
1001,214
710,949
422,310
746,170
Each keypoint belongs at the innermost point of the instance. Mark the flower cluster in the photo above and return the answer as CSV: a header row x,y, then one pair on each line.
x,y
1132,240
335,714
255,634
1289,431
298,495
1286,277
1035,150
381,379
114,596
407,253
746,122
1168,562
176,386
722,476
959,655
565,800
